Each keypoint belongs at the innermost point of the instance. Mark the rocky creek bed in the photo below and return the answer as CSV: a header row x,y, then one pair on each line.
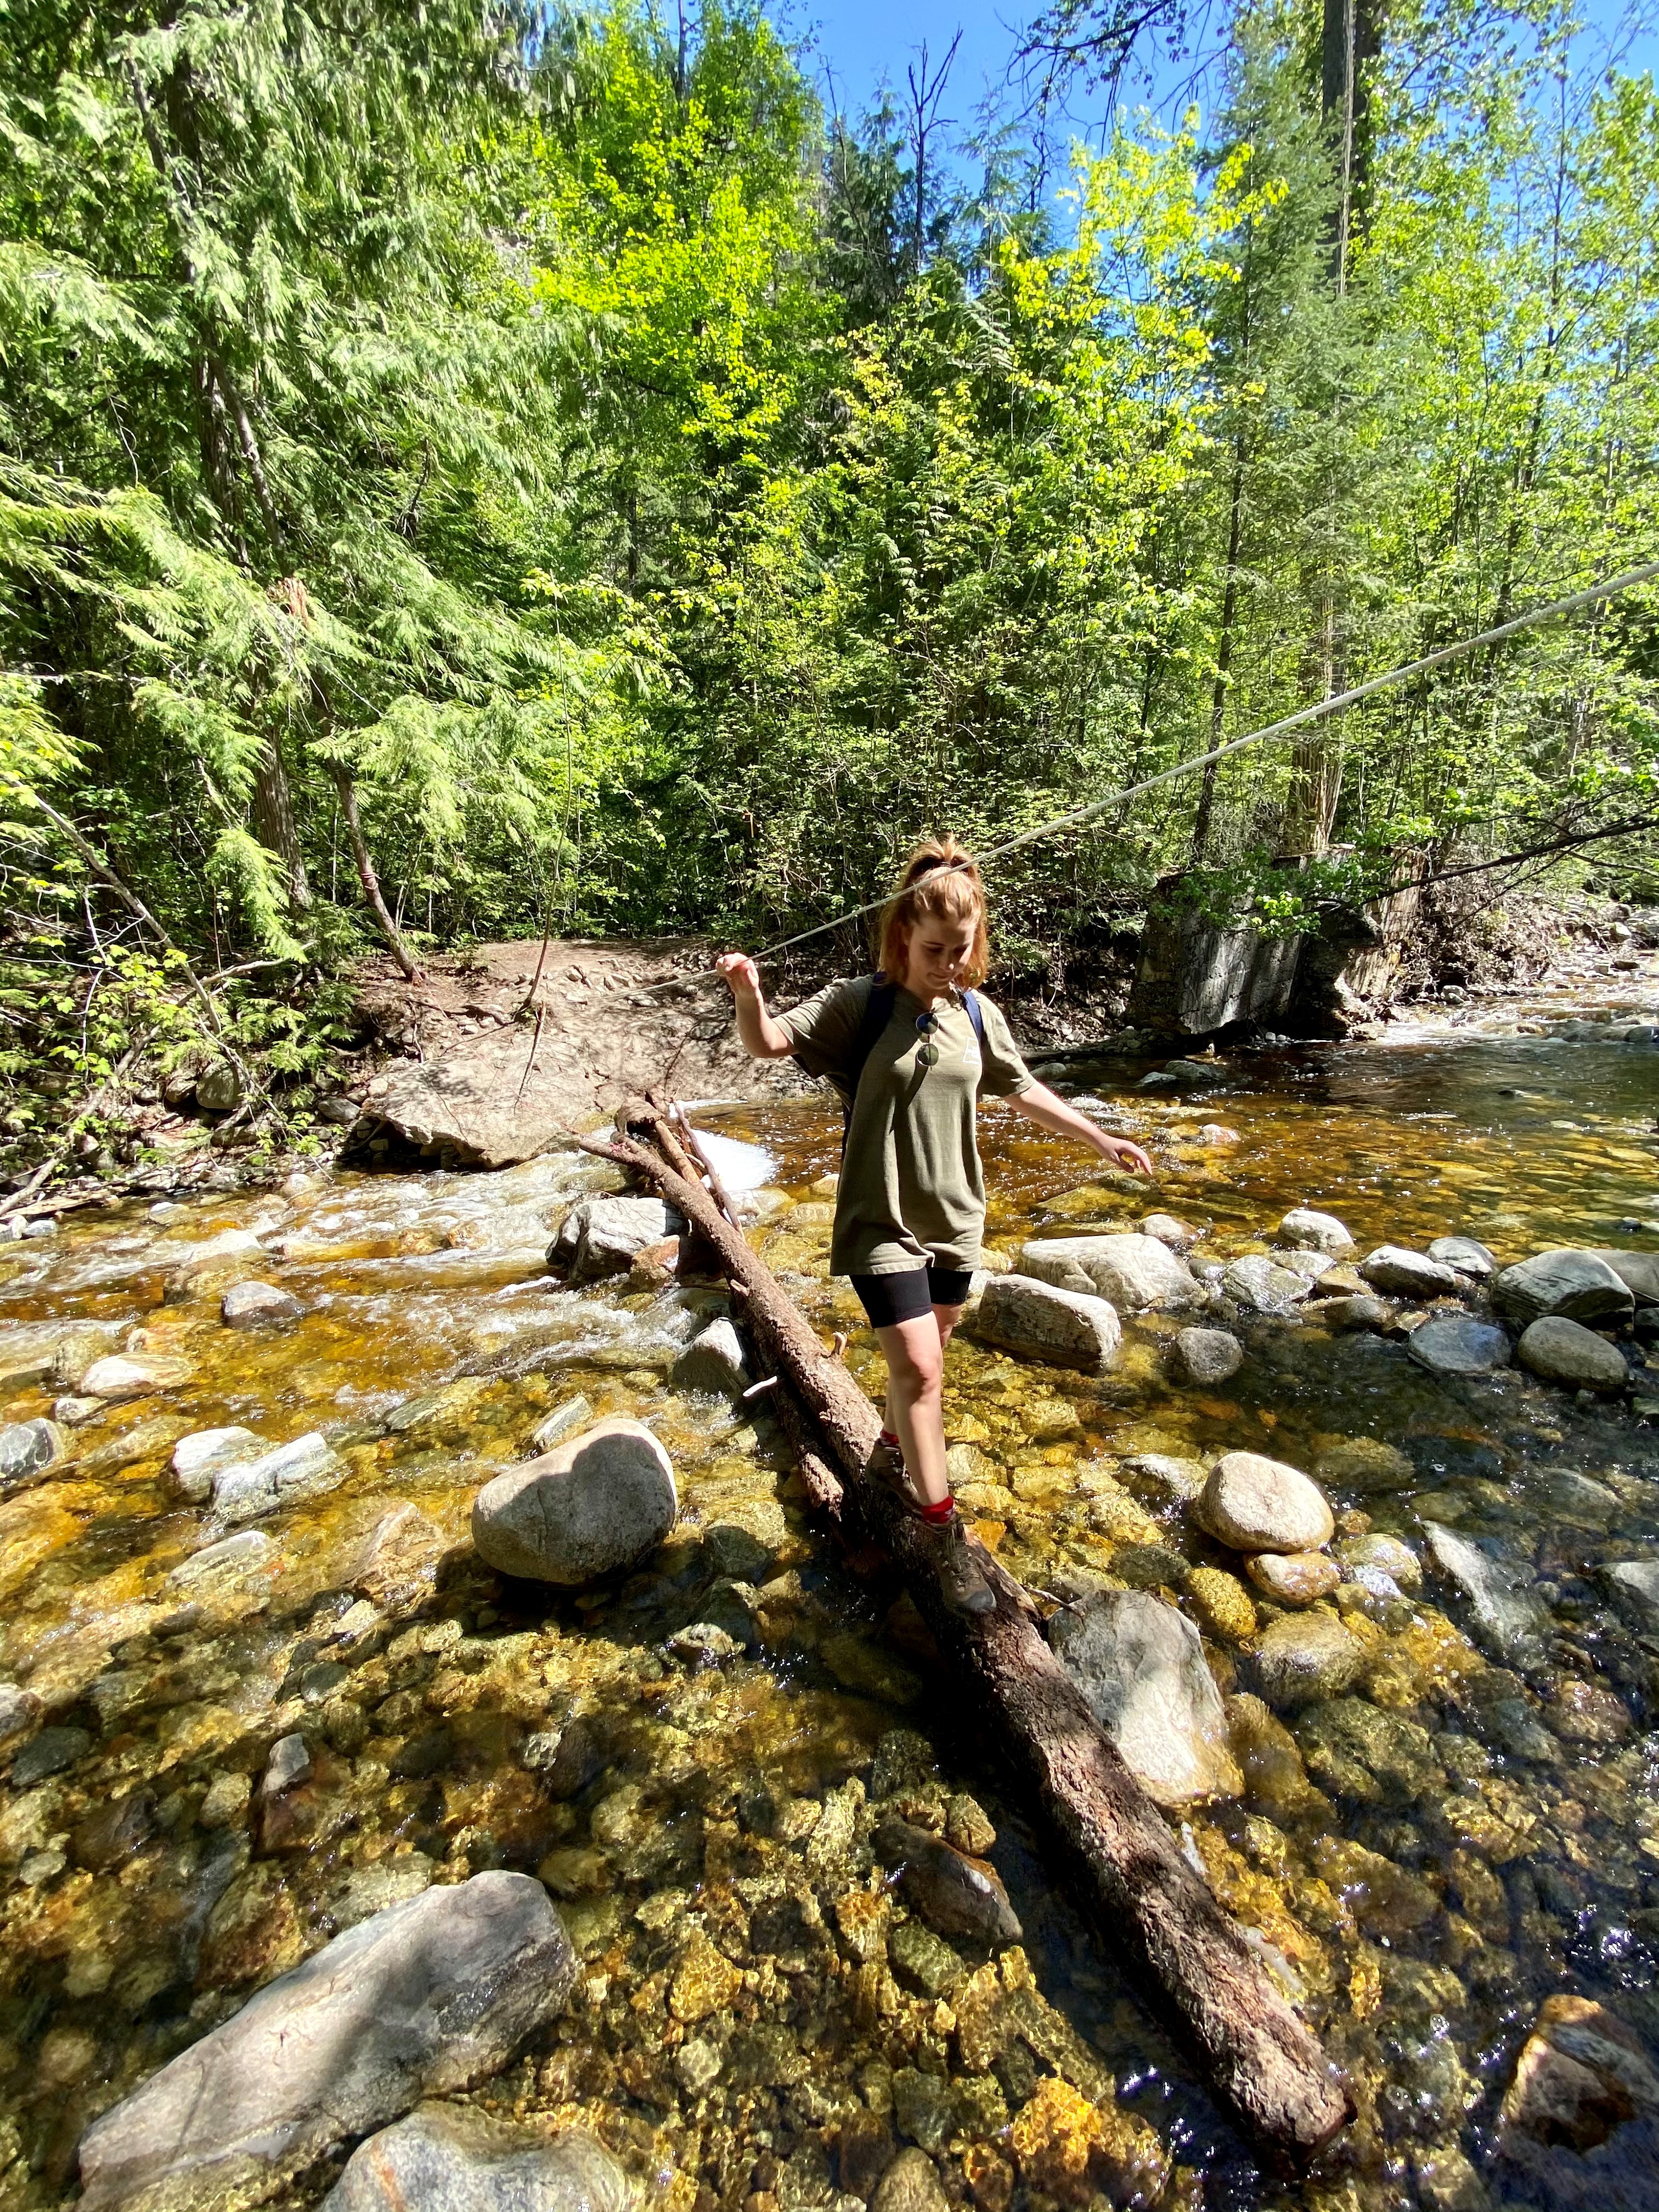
x,y
268,1724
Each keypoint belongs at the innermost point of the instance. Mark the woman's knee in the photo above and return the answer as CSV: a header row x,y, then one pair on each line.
x,y
917,1364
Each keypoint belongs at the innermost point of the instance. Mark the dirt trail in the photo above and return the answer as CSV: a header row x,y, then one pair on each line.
x,y
478,1086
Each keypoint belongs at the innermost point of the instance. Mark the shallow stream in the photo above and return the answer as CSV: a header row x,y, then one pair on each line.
x,y
1425,1859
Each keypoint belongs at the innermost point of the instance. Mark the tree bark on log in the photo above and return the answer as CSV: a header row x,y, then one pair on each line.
x,y
1188,1955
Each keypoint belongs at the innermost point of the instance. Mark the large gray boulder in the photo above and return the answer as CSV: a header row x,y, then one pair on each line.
x,y
1637,1271
246,1489
1400,1274
1577,1285
597,1501
601,1235
1141,1666
1458,1344
428,1997
1511,1621
1131,1272
1563,1350
1067,1328
448,2158
1253,1503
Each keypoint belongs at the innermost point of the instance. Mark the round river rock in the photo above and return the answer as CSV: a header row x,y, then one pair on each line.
x,y
1564,1351
1253,1503
597,1502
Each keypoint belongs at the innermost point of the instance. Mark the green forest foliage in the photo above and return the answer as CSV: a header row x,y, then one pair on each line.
x,y
461,471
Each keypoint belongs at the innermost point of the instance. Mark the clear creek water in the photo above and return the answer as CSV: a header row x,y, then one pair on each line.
x,y
1427,1858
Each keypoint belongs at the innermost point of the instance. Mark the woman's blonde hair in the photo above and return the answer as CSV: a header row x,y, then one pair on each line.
x,y
939,880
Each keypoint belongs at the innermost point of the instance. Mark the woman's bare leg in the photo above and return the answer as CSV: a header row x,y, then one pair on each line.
x,y
914,1351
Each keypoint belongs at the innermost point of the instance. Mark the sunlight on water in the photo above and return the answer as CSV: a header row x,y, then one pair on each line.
x,y
1466,1822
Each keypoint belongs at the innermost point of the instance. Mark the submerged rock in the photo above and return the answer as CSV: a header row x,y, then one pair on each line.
x,y
246,1489
1357,1750
1222,1603
1564,1351
1457,1344
1511,1619
1635,1584
117,1378
910,2184
428,1997
1347,1315
1383,1555
1180,1480
448,2158
1575,1285
257,1306
1261,1285
955,1894
1582,2075
1318,1232
1405,1275
1205,1357
1253,1503
1132,1271
1066,1328
1303,1657
1294,1578
27,1448
594,1504
1141,1666
574,1413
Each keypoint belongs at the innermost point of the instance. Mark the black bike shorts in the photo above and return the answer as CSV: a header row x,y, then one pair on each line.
x,y
907,1296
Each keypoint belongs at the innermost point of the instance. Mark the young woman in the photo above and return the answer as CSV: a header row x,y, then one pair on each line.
x,y
911,1207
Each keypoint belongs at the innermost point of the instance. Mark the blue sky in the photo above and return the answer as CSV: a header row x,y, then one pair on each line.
x,y
862,39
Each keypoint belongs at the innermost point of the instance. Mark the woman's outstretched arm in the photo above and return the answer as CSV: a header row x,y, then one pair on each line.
x,y
761,1037
1051,1112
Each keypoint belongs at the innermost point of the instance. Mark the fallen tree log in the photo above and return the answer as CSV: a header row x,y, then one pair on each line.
x,y
1193,1963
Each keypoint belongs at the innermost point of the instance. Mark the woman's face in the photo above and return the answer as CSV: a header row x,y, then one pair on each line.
x,y
939,950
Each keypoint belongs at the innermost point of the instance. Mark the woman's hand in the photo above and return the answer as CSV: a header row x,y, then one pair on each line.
x,y
1051,1112
1123,1154
759,1034
741,973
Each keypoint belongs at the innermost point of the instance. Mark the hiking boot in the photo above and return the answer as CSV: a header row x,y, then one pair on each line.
x,y
961,1585
886,1469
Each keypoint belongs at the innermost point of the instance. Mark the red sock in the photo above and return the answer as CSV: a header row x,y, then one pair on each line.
x,y
937,1515
888,1437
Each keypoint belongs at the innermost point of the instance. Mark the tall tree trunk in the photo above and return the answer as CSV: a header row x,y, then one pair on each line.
x,y
275,825
1223,656
367,877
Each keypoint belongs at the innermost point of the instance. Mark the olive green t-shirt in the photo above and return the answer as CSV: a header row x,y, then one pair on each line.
x,y
911,1187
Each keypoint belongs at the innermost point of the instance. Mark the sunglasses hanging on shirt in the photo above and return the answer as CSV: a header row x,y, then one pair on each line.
x,y
928,1056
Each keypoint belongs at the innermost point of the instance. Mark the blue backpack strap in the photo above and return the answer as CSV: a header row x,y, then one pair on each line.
x,y
877,1012
975,1014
